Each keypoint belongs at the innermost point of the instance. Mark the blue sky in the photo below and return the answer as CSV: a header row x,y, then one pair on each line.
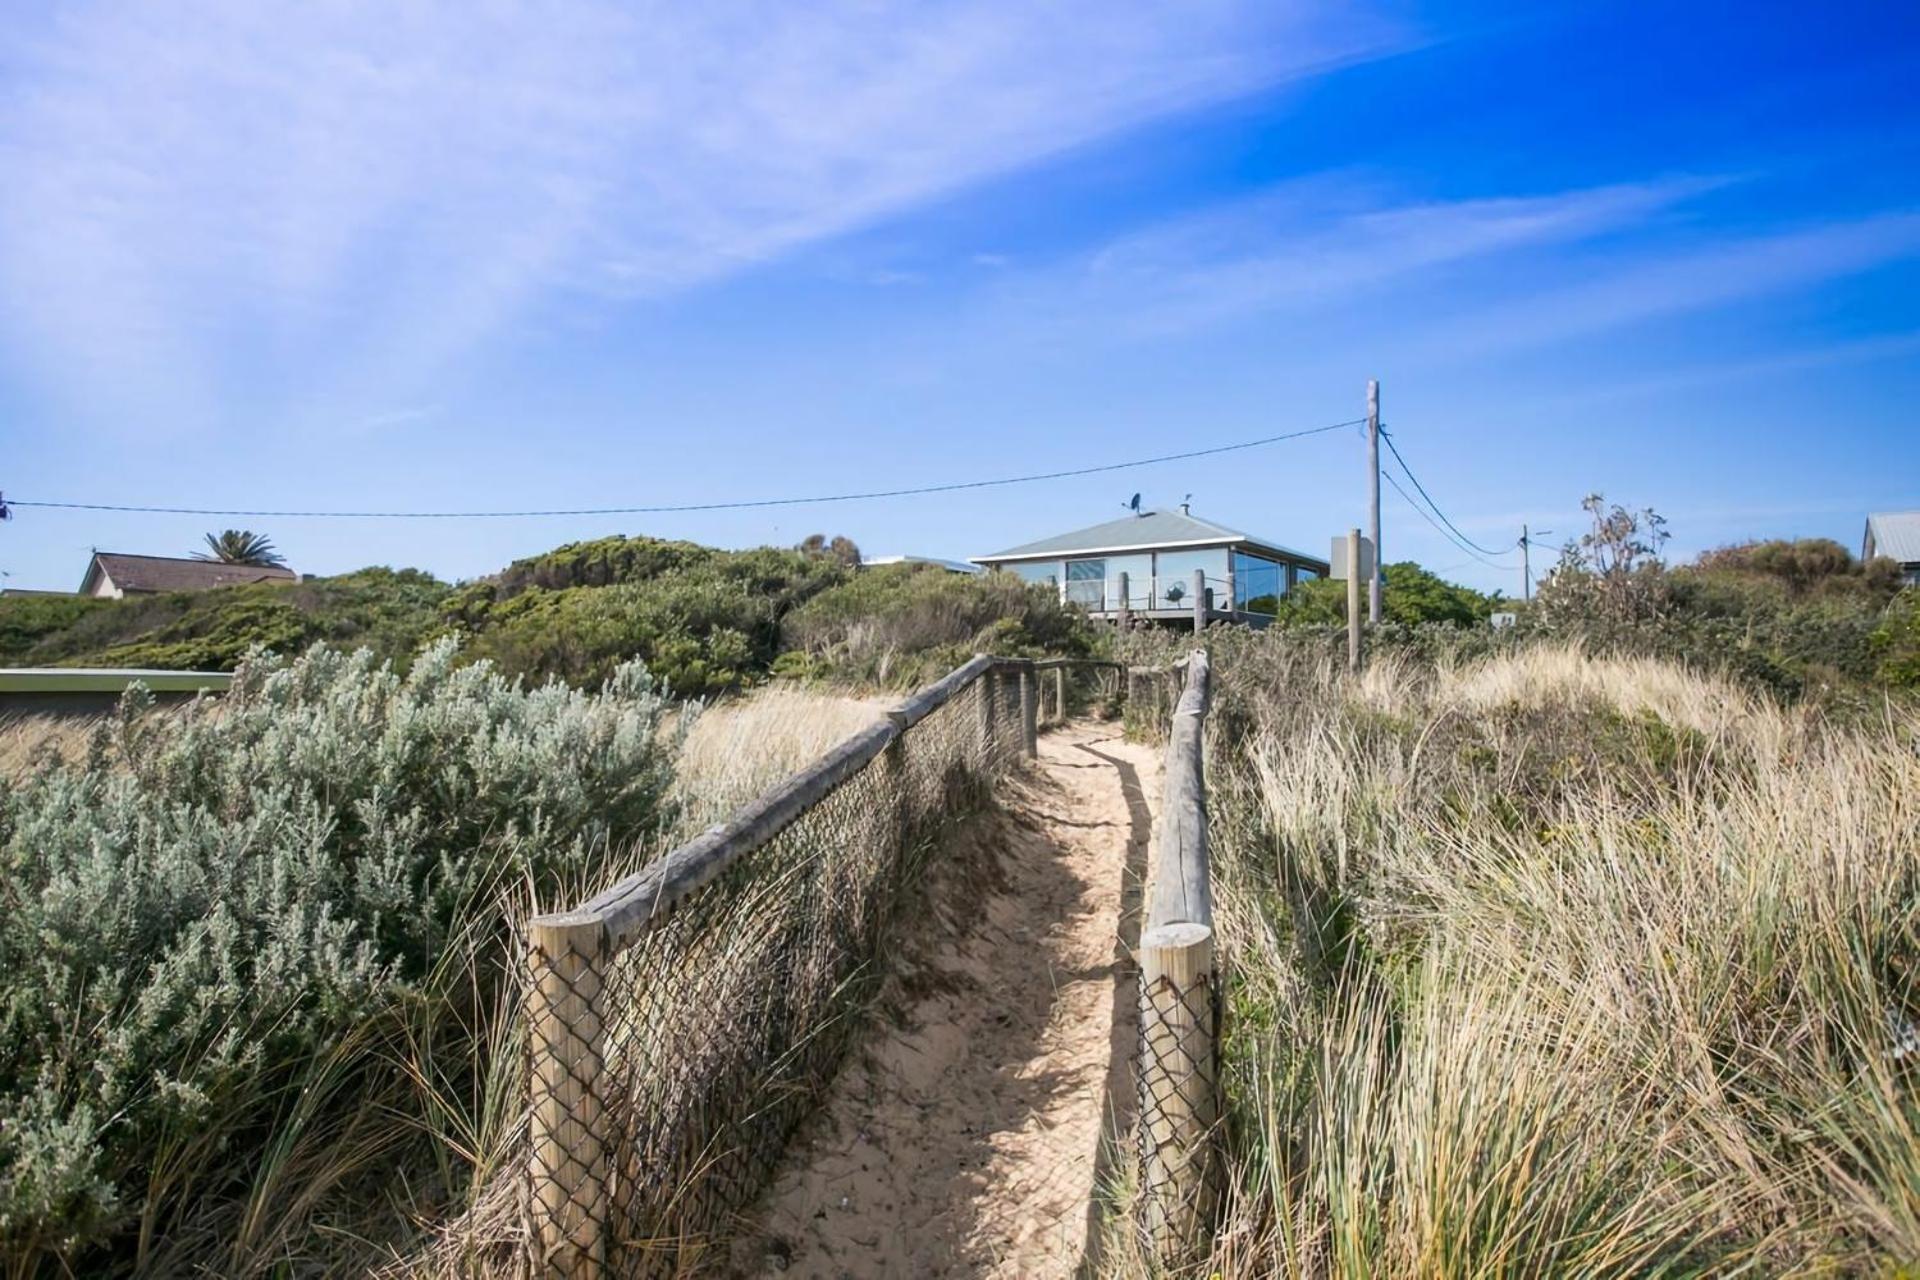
x,y
433,257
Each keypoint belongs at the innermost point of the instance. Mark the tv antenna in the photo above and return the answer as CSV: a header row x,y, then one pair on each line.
x,y
1133,504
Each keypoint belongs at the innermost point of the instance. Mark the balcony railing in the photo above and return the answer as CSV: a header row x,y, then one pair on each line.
x,y
1102,595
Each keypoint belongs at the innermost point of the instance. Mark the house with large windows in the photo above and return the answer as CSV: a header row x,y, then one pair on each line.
x,y
1157,554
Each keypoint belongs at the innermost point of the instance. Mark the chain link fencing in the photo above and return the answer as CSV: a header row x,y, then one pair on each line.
x,y
681,1024
1176,1065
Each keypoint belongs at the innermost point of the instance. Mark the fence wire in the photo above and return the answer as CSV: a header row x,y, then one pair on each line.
x,y
1176,1070
667,1074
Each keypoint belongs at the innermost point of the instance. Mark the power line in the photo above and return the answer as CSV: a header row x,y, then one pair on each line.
x,y
692,506
1422,512
1491,551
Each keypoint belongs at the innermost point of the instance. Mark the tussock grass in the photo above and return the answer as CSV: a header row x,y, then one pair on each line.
x,y
1556,964
738,748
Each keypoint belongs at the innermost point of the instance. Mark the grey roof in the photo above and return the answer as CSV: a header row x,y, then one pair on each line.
x,y
1896,535
1150,529
169,573
951,566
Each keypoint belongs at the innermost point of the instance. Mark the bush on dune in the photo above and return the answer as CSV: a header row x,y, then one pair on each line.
x,y
703,620
896,625
249,949
389,611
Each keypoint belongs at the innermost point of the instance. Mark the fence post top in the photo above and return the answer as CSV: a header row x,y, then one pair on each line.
x,y
567,921
1184,933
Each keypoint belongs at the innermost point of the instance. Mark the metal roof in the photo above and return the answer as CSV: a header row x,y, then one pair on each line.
x,y
1896,535
951,566
1150,530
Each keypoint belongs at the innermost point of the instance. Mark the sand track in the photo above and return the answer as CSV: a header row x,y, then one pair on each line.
x,y
967,1137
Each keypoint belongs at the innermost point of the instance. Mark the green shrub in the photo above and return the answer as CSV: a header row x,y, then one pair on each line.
x,y
391,612
214,930
27,621
903,623
1895,643
1412,597
703,620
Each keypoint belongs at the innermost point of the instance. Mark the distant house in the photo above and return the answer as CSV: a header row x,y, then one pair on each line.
x,y
111,574
1158,552
951,566
1895,535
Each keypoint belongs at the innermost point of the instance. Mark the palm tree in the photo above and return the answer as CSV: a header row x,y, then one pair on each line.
x,y
240,546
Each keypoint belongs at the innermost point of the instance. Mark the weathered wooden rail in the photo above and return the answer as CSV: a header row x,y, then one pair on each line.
x,y
1178,1066
683,1021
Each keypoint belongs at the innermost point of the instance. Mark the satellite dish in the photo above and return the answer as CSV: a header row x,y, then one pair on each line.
x,y
1134,505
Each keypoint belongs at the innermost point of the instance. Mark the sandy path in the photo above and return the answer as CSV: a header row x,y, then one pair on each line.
x,y
967,1139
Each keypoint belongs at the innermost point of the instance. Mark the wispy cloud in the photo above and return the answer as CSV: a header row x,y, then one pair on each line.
x,y
1610,295
1327,242
202,194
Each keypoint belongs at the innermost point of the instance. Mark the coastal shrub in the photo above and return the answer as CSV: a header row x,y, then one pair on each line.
x,y
226,935
389,611
899,624
26,621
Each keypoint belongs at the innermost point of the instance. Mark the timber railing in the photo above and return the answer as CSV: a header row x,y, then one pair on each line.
x,y
1177,1070
681,1023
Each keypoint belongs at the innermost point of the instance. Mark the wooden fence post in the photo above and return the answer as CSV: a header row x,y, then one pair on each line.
x,y
1199,601
1029,711
1177,1089
566,1024
1059,693
1126,605
986,691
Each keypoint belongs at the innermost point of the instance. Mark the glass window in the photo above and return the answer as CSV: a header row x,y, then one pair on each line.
x,y
1173,575
1301,573
1047,571
1087,583
1139,571
1258,583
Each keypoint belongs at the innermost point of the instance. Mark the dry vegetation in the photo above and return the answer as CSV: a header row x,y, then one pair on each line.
x,y
1550,964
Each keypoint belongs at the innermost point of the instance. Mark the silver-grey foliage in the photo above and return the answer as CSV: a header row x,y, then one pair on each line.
x,y
220,897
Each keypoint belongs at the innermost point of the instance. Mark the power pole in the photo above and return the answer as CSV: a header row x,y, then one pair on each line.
x,y
1526,565
1373,495
1526,561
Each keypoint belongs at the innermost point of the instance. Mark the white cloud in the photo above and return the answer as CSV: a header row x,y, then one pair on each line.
x,y
1320,245
1665,283
205,195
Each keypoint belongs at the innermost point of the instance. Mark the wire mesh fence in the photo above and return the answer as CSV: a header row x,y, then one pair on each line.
x,y
682,1024
1176,1066
1068,687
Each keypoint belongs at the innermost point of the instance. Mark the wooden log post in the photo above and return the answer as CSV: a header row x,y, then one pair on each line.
x,y
1029,711
571,1200
985,690
1126,605
1199,601
1059,693
1177,1069
1178,1093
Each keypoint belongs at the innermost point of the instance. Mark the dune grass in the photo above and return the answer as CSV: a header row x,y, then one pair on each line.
x,y
1557,965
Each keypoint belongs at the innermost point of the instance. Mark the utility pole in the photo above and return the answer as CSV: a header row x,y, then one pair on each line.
x,y
1373,495
1526,561
1526,565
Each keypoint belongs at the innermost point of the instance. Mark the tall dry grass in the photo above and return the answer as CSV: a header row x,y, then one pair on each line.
x,y
738,748
1556,965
